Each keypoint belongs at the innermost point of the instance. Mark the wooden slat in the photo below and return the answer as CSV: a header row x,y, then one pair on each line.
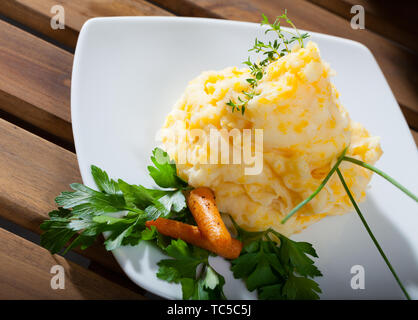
x,y
36,75
35,81
32,173
415,136
25,274
398,64
392,19
36,14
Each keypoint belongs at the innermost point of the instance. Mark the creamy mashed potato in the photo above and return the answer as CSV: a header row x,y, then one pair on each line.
x,y
305,129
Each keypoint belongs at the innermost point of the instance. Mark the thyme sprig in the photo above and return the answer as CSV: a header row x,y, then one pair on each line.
x,y
276,27
271,51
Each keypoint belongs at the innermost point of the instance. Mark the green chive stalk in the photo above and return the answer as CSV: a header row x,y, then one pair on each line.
x,y
369,231
382,174
323,183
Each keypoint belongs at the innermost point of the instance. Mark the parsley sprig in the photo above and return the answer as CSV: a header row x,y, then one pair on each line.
x,y
205,285
271,51
84,213
276,271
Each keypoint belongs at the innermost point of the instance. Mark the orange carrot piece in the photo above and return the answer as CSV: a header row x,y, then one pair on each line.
x,y
191,234
230,252
201,202
178,230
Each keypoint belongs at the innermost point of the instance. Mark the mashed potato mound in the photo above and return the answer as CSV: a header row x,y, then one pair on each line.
x,y
305,129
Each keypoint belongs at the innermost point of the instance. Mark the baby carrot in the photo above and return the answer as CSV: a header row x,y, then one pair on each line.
x,y
191,234
230,252
201,202
178,230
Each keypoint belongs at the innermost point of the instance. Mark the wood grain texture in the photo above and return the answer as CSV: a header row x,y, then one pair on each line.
x,y
392,19
415,136
37,15
33,172
36,75
398,64
25,274
35,81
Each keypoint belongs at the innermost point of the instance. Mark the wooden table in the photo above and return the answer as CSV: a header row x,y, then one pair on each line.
x,y
37,158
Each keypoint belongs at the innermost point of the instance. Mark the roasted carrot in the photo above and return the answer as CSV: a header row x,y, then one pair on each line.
x,y
230,252
191,234
178,230
201,202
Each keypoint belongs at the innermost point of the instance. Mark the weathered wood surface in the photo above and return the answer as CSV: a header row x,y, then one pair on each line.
x,y
391,19
36,14
33,172
25,273
35,81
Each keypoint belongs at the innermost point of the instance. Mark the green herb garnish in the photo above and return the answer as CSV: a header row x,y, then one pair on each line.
x,y
382,174
276,271
207,285
323,183
84,213
335,168
271,52
369,231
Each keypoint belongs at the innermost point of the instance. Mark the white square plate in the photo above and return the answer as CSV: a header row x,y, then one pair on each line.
x,y
127,74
